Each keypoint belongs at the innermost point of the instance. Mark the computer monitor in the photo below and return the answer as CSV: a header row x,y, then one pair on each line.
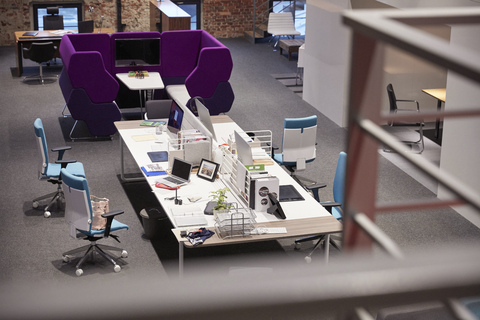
x,y
244,151
137,52
204,116
175,118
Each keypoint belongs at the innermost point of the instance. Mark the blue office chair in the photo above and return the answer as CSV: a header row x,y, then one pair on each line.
x,y
335,207
298,145
79,216
51,171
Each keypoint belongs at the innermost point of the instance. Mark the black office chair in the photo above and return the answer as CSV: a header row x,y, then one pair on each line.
x,y
85,26
52,21
40,52
416,126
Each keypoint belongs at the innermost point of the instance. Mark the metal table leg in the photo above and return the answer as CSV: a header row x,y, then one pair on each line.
x,y
180,259
122,165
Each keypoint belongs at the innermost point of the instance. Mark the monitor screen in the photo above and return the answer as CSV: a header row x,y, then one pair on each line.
x,y
137,52
175,118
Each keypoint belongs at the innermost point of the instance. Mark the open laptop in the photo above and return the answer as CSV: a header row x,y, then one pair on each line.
x,y
180,174
175,118
204,116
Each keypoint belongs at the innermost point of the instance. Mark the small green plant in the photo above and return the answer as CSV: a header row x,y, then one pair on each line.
x,y
219,196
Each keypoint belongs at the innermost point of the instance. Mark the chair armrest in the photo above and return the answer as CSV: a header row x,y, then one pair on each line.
x,y
314,189
329,205
413,101
110,215
64,163
61,151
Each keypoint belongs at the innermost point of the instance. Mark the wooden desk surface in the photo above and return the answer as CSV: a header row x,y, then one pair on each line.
x,y
439,93
295,229
52,34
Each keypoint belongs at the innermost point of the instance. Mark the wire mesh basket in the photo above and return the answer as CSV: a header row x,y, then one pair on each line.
x,y
234,222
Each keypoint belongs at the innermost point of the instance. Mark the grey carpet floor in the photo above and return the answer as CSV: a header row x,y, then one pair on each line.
x,y
32,246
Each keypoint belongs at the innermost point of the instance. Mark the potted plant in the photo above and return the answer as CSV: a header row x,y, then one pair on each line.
x,y
218,202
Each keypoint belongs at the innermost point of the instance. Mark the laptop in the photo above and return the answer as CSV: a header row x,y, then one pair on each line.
x,y
180,174
204,116
175,118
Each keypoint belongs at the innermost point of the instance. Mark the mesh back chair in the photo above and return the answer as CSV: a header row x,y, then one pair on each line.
x,y
416,126
79,216
51,171
40,52
298,145
52,21
335,207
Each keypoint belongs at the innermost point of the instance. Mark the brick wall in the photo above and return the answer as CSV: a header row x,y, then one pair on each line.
x,y
221,18
226,18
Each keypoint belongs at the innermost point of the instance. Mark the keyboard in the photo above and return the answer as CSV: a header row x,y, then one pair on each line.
x,y
174,180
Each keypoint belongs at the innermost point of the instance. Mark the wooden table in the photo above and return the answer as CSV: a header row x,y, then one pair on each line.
x,y
439,94
290,45
54,36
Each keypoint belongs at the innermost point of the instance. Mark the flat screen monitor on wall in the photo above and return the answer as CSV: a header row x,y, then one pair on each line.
x,y
137,52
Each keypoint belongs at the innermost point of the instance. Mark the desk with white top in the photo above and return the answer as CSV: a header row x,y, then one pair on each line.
x,y
151,82
304,218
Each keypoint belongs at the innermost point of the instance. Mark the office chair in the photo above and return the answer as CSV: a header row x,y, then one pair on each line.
x,y
79,216
298,145
40,52
51,171
52,21
281,24
158,109
394,109
86,26
335,208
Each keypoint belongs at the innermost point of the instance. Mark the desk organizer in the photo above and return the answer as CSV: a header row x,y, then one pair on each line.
x,y
234,222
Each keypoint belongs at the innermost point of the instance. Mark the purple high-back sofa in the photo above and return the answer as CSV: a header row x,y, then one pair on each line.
x,y
86,83
191,58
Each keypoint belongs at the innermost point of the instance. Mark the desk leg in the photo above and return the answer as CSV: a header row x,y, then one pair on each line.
x,y
326,247
122,165
18,53
437,123
180,259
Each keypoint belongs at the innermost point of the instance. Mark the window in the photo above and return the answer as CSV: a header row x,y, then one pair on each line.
x,y
71,12
300,12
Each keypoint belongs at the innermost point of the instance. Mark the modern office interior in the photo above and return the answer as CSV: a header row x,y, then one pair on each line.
x,y
427,267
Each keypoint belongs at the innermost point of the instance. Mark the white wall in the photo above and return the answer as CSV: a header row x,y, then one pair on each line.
x,y
461,137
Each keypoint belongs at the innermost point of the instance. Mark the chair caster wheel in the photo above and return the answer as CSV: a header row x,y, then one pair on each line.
x,y
66,259
47,214
308,259
79,272
297,246
124,254
117,268
35,204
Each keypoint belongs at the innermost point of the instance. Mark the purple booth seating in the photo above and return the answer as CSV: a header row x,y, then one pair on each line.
x,y
86,83
201,63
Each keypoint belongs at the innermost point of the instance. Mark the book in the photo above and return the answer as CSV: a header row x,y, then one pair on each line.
x,y
29,34
153,169
148,123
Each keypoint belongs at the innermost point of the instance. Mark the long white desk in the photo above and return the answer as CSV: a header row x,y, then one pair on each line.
x,y
304,218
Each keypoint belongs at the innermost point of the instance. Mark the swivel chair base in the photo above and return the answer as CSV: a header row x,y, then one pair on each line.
x,y
320,238
56,196
40,78
90,251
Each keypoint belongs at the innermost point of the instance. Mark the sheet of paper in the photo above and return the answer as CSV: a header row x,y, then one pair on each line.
x,y
144,137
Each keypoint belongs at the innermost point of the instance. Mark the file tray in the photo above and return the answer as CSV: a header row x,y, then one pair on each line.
x,y
235,223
